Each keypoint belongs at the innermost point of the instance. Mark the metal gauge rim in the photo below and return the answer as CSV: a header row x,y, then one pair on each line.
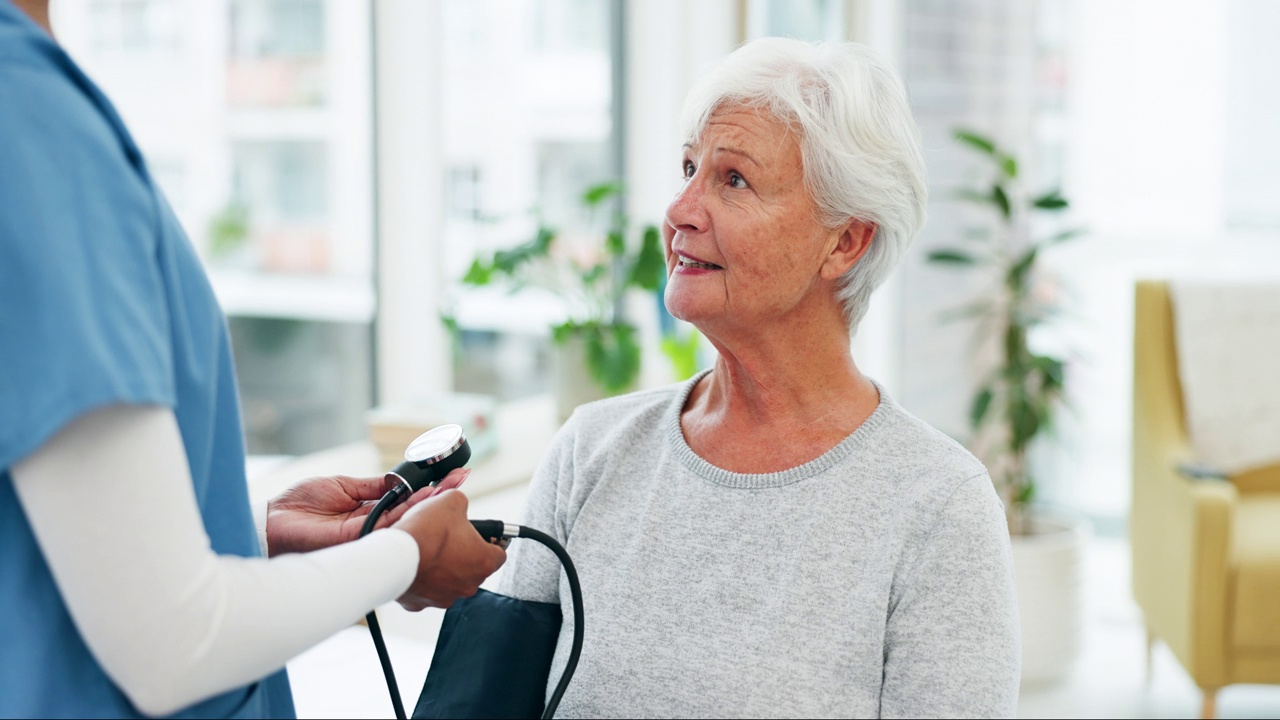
x,y
435,445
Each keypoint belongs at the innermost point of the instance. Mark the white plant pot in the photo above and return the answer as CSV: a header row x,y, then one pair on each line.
x,y
571,381
1048,567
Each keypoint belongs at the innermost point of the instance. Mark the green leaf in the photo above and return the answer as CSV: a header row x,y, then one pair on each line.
x,y
1010,166
613,356
1026,493
1025,422
614,243
1015,351
1017,276
590,277
1064,236
981,404
597,194
951,257
229,229
975,141
1050,201
542,241
509,261
454,331
650,266
478,273
974,196
1052,371
683,354
563,331
1001,200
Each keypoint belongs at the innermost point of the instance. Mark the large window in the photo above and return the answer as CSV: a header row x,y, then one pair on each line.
x,y
527,127
800,19
134,26
277,54
1252,167
255,117
1169,157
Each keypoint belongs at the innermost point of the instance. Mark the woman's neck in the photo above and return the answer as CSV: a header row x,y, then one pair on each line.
x,y
794,388
789,366
802,382
38,11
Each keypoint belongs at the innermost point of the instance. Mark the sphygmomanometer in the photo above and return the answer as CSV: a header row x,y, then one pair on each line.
x,y
492,649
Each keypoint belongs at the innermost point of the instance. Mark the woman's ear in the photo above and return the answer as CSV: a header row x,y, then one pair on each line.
x,y
851,244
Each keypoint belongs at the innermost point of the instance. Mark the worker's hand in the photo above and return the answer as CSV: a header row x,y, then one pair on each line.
x,y
320,512
452,557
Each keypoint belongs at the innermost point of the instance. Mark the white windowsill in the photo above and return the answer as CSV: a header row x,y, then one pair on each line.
x,y
296,297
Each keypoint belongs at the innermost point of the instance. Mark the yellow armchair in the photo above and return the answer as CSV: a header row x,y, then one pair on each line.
x,y
1206,552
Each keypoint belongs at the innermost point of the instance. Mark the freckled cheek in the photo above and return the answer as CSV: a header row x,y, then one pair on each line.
x,y
760,255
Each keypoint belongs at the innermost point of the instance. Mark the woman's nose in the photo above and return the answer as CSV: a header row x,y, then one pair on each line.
x,y
686,212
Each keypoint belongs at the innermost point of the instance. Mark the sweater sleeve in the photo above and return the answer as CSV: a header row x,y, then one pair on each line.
x,y
952,645
532,572
170,621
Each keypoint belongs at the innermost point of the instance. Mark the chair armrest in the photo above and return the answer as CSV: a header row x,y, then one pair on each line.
x,y
1181,532
1195,471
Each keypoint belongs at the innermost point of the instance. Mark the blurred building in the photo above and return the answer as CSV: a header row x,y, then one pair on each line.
x,y
257,119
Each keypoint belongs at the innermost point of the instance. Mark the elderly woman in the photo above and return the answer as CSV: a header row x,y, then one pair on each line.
x,y
776,536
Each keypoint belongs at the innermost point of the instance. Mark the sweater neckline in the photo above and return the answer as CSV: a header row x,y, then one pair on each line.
x,y
751,481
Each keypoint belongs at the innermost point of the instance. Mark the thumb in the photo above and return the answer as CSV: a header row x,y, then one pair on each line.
x,y
363,489
451,481
497,557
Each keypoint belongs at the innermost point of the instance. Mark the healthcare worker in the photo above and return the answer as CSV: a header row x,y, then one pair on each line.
x,y
130,576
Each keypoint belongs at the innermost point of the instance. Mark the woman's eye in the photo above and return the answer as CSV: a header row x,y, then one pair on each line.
x,y
737,182
688,170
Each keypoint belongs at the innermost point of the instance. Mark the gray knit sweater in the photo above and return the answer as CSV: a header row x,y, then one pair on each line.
x,y
873,581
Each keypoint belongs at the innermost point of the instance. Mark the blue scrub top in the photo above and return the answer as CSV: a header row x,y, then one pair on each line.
x,y
102,301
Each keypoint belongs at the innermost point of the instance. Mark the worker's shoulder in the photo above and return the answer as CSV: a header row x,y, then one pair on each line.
x,y
28,57
47,103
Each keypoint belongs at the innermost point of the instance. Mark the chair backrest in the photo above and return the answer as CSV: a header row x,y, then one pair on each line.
x,y
1160,436
1159,425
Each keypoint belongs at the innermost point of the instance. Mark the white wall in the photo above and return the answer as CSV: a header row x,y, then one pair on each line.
x,y
1148,95
1147,148
1252,186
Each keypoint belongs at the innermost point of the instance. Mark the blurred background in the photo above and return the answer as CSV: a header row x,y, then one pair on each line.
x,y
343,166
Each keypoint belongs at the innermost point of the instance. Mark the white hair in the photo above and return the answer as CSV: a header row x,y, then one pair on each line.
x,y
859,144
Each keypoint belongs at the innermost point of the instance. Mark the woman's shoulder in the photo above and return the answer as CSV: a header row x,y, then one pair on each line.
x,y
642,411
914,472
920,449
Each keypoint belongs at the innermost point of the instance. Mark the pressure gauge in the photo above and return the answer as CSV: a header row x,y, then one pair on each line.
x,y
432,455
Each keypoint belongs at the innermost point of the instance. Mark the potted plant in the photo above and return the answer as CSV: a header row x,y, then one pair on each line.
x,y
229,236
598,352
1019,395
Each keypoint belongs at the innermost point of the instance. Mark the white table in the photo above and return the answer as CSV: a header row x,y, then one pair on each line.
x,y
524,429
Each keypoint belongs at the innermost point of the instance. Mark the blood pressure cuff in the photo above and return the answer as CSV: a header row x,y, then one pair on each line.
x,y
492,659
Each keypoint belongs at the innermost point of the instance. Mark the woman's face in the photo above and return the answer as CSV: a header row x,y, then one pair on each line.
x,y
744,247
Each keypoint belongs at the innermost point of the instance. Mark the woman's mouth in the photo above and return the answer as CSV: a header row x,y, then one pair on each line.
x,y
684,261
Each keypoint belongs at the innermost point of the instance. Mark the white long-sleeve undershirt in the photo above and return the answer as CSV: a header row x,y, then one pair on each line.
x,y
111,503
